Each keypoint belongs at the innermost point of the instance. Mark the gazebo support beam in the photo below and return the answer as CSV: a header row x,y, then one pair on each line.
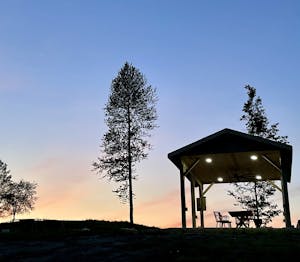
x,y
193,202
200,183
271,162
201,195
183,206
285,200
205,191
191,167
274,185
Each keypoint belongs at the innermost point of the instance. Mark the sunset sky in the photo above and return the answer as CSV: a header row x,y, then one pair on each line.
x,y
57,61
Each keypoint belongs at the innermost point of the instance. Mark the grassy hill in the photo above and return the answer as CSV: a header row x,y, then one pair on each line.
x,y
92,240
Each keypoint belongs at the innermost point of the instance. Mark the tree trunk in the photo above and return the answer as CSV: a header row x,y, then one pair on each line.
x,y
13,215
130,170
256,201
130,195
257,220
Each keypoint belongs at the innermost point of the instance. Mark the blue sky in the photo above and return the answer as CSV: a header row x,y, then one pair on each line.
x,y
57,62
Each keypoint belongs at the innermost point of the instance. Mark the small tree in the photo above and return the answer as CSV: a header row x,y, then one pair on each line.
x,y
21,198
256,195
129,114
15,197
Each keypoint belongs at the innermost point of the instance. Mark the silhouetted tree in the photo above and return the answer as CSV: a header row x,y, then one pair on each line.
x,y
129,114
5,185
256,195
15,197
21,198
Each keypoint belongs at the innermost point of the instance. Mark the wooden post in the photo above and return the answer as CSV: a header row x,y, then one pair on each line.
x,y
183,206
201,209
285,200
193,202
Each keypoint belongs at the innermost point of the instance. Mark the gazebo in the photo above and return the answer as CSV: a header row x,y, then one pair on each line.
x,y
230,156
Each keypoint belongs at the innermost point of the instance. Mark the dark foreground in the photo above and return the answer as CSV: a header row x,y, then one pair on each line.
x,y
116,241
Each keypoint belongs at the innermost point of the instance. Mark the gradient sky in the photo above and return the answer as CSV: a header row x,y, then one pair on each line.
x,y
57,60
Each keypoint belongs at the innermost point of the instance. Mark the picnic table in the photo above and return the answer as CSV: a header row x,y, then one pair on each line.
x,y
242,217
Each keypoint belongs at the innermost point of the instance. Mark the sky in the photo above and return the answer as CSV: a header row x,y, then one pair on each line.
x,y
57,61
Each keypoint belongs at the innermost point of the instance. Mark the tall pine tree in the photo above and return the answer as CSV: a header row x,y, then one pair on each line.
x,y
257,195
129,114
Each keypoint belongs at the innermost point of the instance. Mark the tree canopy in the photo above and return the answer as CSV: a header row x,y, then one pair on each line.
x,y
257,122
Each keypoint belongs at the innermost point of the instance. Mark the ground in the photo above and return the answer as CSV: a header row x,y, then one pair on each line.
x,y
117,241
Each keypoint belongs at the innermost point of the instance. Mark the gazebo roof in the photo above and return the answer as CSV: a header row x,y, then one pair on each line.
x,y
230,154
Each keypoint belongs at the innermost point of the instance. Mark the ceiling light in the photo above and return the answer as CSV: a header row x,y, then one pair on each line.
x,y
208,160
253,157
220,179
258,177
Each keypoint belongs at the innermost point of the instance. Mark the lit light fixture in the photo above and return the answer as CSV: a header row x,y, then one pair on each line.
x,y
208,160
258,177
253,157
220,179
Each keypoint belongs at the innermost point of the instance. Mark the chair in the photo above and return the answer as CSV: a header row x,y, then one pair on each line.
x,y
222,220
